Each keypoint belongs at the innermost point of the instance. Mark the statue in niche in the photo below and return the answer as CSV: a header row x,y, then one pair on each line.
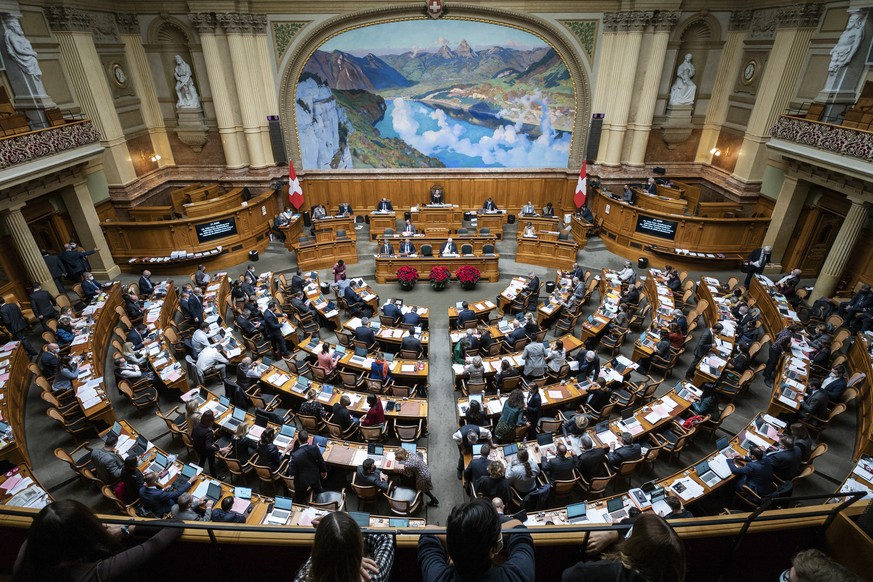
x,y
850,40
185,90
20,49
683,90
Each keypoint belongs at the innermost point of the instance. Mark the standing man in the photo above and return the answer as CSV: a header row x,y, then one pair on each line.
x,y
756,262
704,345
43,305
201,277
778,346
10,315
307,466
56,268
75,261
274,331
467,436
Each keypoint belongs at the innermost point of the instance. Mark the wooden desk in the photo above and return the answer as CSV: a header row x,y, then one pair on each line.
x,y
379,221
860,479
646,201
386,267
493,221
540,223
508,295
482,309
33,495
326,228
437,242
390,337
610,295
449,216
323,255
403,371
13,362
292,231
225,202
560,254
859,360
579,228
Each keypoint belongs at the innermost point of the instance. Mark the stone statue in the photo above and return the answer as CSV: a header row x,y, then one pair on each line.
x,y
849,42
683,90
185,90
20,49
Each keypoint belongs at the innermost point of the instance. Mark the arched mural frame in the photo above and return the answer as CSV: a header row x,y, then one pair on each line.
x,y
316,35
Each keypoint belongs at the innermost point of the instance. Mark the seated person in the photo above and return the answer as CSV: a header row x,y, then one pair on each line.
x,y
90,287
465,314
409,228
393,311
341,414
384,205
651,187
368,474
628,195
345,209
411,317
586,213
318,212
528,209
406,248
489,205
365,333
449,248
756,472
412,344
549,210
225,514
627,274
386,249
529,230
627,451
436,196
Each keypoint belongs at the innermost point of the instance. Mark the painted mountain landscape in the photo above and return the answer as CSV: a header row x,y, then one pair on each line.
x,y
435,94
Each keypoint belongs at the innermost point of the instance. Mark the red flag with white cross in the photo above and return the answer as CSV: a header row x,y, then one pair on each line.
x,y
581,188
295,192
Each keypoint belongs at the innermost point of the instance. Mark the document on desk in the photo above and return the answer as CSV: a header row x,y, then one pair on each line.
x,y
607,437
598,516
611,375
495,406
667,401
555,394
687,488
719,466
788,402
202,489
653,417
853,485
309,514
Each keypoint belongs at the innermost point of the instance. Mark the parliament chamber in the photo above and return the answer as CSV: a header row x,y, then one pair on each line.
x,y
303,286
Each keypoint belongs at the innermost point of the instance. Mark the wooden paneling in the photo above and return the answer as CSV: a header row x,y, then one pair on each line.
x,y
227,201
386,267
150,213
859,361
14,396
580,227
323,255
509,191
559,254
105,210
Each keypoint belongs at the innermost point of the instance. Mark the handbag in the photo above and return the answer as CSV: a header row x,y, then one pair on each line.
x,y
691,421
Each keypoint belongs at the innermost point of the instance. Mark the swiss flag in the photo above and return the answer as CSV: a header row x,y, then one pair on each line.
x,y
295,192
581,188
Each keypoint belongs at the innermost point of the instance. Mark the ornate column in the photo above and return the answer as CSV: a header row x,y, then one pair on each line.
x,y
72,27
843,245
235,26
144,84
258,25
795,29
628,43
27,248
639,130
80,206
605,76
206,23
728,69
785,214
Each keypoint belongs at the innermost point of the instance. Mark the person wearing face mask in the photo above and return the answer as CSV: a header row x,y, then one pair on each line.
x,y
835,383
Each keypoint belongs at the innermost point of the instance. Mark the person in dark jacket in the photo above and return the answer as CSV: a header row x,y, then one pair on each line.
x,y
49,360
132,478
160,501
835,384
756,473
90,287
146,287
393,311
756,262
268,453
704,345
225,514
13,320
814,404
590,462
57,269
495,483
43,305
274,331
341,414
369,475
365,333
477,468
628,451
589,366
786,459
307,466
465,314
561,467
75,261
203,436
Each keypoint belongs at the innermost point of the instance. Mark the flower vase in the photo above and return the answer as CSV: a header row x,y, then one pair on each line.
x,y
468,285
438,286
407,285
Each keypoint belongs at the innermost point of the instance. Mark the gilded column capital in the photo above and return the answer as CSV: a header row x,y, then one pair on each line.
x,y
740,20
203,22
63,18
664,21
234,22
799,16
127,23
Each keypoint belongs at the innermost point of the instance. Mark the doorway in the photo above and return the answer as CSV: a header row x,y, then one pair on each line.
x,y
825,229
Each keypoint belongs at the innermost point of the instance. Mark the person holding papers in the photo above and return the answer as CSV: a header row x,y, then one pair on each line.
x,y
67,372
627,451
184,509
274,331
384,205
406,248
386,249
489,205
449,248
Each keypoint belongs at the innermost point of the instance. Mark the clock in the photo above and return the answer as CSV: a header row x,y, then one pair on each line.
x,y
119,76
749,71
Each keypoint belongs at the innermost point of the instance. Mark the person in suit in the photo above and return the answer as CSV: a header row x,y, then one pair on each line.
x,y
477,468
467,436
407,248
368,474
248,327
835,384
298,282
561,467
589,463
108,464
662,352
778,346
533,283
318,212
586,213
201,277
357,306
13,320
132,307
465,314
90,287
534,360
516,334
704,345
528,209
785,459
549,210
195,306
225,514
345,209
507,370
409,228
203,436
589,365
412,343
56,268
393,311
341,414
756,473
299,303
307,466
628,195
43,304
489,205
49,360
160,501
411,317
449,248
146,287
533,410
756,261
787,285
274,330
184,508
137,336
814,404
436,196
628,451
268,452
384,205
386,249
627,275
365,333
859,303
485,339
75,261
631,296
651,186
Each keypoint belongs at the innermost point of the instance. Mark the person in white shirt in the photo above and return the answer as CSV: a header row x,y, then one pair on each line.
x,y
127,370
450,248
210,357
528,209
409,228
529,230
200,339
628,275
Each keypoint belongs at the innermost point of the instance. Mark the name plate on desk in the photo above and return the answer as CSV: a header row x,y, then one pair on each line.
x,y
657,227
216,229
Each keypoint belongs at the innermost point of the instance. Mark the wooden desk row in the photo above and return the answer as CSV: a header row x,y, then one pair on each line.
x,y
579,228
386,267
492,364
14,383
859,360
482,309
478,242
387,335
559,254
403,371
324,254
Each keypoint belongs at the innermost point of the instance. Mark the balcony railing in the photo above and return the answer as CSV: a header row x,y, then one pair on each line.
x,y
839,139
26,147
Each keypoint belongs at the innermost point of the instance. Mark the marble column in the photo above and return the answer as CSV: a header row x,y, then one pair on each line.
x,y
268,78
80,207
628,44
256,73
72,28
25,244
235,25
788,54
836,260
787,210
235,156
605,76
642,126
725,77
144,84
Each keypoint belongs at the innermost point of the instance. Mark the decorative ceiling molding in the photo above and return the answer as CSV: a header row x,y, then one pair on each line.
x,y
283,34
585,32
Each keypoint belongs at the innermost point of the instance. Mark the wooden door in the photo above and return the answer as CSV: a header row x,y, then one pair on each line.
x,y
820,241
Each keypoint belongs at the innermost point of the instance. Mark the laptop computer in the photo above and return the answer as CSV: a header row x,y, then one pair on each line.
x,y
615,508
223,405
237,417
398,522
576,513
602,427
375,451
546,438
362,519
116,430
282,508
706,475
261,419
320,442
723,445
659,503
510,450
286,434
140,447
188,471
158,464
213,492
477,450
411,447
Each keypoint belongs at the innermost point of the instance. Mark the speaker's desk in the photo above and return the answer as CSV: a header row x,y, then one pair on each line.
x,y
386,267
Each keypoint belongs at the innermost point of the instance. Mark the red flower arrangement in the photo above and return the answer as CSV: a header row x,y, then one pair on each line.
x,y
468,275
407,276
439,276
